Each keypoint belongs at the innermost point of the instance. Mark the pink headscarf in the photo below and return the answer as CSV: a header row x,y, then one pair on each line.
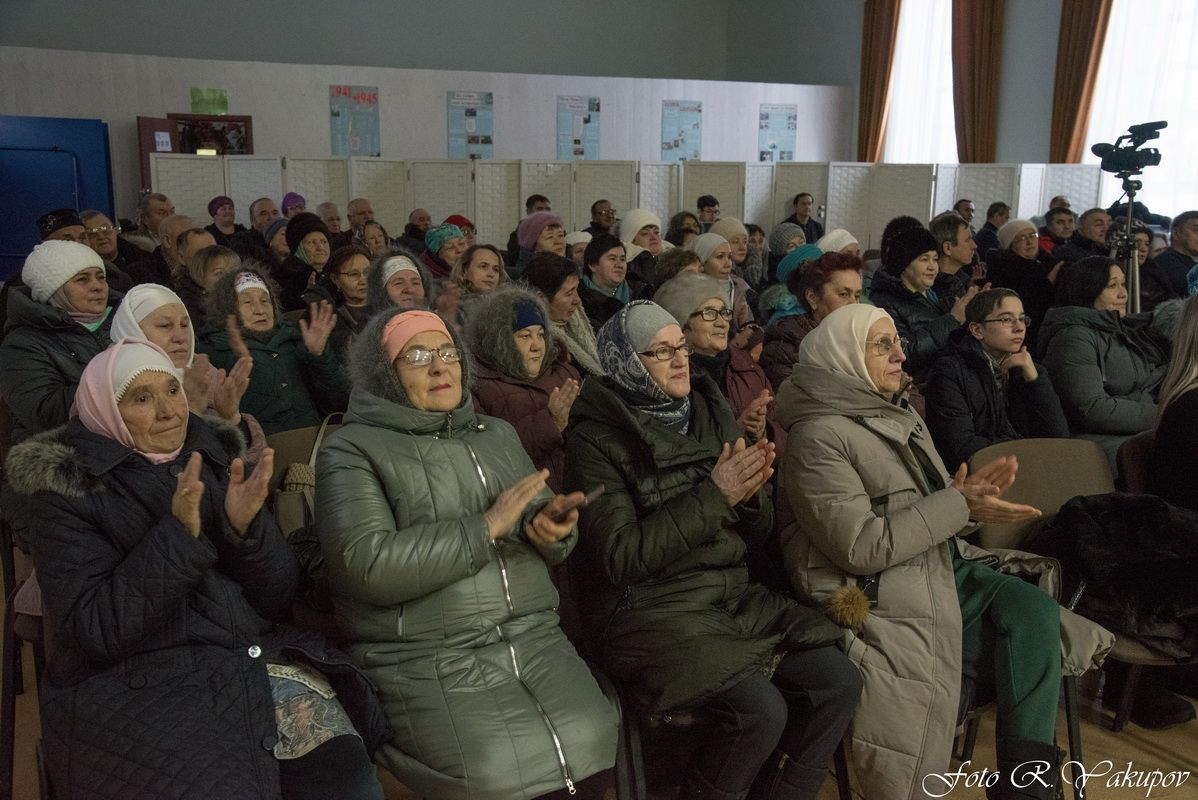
x,y
109,374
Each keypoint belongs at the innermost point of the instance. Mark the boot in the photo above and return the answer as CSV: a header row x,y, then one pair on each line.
x,y
1027,770
781,778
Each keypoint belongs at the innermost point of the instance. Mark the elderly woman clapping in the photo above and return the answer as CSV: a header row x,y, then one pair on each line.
x,y
165,579
874,537
438,532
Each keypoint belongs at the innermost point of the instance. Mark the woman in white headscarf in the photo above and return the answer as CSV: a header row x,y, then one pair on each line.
x,y
873,536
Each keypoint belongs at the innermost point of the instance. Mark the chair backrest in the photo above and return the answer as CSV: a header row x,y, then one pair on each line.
x,y
1051,471
1132,460
294,447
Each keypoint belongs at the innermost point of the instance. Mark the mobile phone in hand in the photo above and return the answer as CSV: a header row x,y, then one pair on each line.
x,y
587,499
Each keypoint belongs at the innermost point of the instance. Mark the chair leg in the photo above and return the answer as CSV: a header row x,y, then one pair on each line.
x,y
1073,724
1123,714
9,669
841,762
970,739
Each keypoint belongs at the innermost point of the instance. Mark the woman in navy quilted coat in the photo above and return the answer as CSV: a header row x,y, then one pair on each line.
x,y
163,580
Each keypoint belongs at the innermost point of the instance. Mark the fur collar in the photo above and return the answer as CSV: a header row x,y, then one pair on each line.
x,y
71,460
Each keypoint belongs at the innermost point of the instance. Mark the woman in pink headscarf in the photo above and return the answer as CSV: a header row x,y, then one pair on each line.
x,y
165,579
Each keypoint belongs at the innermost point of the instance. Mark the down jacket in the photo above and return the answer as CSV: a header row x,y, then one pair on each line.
x,y
855,502
1107,370
157,685
486,697
924,319
663,561
42,357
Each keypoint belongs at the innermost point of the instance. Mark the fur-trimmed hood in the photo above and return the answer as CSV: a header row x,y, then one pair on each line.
x,y
376,293
222,300
71,460
489,332
371,370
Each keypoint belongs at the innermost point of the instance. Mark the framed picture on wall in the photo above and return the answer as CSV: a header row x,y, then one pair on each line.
x,y
226,134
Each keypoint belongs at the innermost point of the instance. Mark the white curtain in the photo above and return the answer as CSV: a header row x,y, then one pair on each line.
x,y
1149,72
920,126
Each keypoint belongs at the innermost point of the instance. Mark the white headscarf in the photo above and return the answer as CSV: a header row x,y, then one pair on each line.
x,y
140,302
838,342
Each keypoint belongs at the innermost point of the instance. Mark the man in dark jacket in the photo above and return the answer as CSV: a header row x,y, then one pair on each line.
x,y
1089,239
251,243
812,228
157,266
987,238
988,389
1174,264
1057,230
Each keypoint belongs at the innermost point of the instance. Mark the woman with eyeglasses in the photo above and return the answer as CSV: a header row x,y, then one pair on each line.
x,y
438,531
1021,265
342,285
870,532
697,302
679,622
989,390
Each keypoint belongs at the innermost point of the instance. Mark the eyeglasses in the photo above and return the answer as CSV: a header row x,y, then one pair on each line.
x,y
1009,320
709,314
103,230
611,212
880,347
666,352
1030,236
353,276
422,356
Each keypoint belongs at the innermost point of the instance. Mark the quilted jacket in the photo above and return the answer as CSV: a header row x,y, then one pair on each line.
x,y
924,319
663,554
486,697
157,684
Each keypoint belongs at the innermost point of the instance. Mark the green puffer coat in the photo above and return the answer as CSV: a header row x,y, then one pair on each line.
x,y
289,387
486,697
664,553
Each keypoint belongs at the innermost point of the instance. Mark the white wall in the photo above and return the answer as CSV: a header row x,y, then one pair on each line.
x,y
289,104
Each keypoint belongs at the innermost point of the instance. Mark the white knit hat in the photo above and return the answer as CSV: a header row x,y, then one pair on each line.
x,y
634,219
1011,229
52,263
836,240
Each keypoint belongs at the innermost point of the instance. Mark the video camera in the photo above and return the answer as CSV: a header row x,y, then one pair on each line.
x,y
1124,156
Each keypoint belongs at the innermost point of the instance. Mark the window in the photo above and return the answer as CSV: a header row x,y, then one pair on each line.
x,y
920,127
1148,71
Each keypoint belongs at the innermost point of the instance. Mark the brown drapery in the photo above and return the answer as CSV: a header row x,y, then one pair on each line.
x,y
977,60
1079,49
877,60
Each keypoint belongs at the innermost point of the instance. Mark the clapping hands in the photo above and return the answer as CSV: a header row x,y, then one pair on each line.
x,y
743,469
984,488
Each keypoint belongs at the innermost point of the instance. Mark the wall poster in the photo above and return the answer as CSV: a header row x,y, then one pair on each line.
x,y
577,128
776,130
681,130
471,125
354,121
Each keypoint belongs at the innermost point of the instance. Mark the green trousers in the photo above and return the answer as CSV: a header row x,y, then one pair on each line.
x,y
1011,640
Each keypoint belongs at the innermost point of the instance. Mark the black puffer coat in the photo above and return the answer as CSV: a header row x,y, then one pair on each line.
x,y
157,687
924,319
662,554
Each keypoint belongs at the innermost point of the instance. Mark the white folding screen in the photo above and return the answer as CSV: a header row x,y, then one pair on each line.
x,y
946,187
849,201
319,180
614,181
1031,193
555,180
985,184
189,181
249,177
723,179
898,190
791,179
658,189
759,195
382,182
1081,183
441,187
497,201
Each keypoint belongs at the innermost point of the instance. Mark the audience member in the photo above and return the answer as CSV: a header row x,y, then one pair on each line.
x,y
330,215
874,539
444,245
431,512
204,268
224,220
709,211
603,218
988,389
1175,264
479,270
986,239
684,500
640,230
308,242
56,323
419,223
737,236
1020,265
358,211
398,280
1089,239
576,244
1174,454
822,285
61,225
372,237
784,238
276,240
557,281
965,209
838,240
1057,229
684,226
606,281
956,248
293,203
1058,201
667,265
893,228
716,254
254,243
1106,365
296,380
534,204
539,232
187,244
465,226
813,229
342,284
152,209
104,237
926,304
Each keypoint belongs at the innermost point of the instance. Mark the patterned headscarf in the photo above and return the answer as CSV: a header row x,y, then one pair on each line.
x,y
620,340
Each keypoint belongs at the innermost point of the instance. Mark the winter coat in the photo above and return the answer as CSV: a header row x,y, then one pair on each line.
x,y
598,306
222,238
1028,279
1172,266
781,350
193,296
151,269
486,697
1171,461
856,501
966,411
157,686
924,319
438,267
663,573
1138,556
289,387
1079,247
742,381
41,359
293,277
986,240
1106,370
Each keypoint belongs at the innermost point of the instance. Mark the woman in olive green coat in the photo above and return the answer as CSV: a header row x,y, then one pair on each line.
x,y
437,531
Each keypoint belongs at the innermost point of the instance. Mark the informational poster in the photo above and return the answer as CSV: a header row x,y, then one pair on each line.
x,y
776,128
162,141
577,128
471,124
354,121
209,101
681,130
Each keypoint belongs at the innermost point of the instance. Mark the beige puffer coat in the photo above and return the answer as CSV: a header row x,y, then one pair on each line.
x,y
855,502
